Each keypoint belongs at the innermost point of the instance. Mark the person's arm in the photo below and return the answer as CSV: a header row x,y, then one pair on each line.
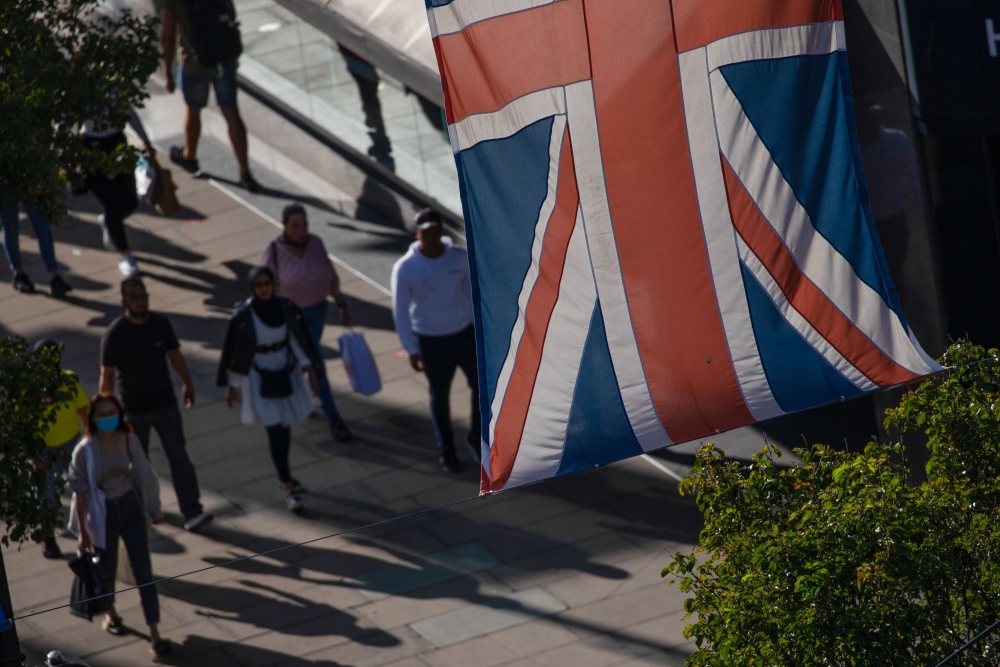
x,y
401,316
180,367
136,124
79,484
83,542
107,380
338,296
168,45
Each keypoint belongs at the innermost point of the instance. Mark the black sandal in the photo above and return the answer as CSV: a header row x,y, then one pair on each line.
x,y
113,625
160,648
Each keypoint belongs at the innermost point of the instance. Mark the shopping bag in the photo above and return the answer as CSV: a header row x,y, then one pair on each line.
x,y
163,197
87,585
145,178
359,363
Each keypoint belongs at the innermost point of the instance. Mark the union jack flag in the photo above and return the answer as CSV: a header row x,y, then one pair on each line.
x,y
667,220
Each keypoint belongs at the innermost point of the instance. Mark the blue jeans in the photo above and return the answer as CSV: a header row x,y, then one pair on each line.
x,y
12,229
195,87
126,520
315,317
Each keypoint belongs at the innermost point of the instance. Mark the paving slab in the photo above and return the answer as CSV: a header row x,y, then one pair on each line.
x,y
493,615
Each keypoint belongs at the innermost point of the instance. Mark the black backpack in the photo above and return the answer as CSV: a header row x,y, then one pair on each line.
x,y
215,36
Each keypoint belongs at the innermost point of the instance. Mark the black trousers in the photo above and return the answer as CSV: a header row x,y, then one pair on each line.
x,y
126,520
442,356
279,440
169,426
117,195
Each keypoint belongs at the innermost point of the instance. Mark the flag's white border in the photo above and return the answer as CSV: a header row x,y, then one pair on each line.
x,y
543,440
589,165
507,120
531,276
458,15
720,237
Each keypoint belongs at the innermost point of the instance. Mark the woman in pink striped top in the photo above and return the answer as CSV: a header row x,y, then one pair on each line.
x,y
304,273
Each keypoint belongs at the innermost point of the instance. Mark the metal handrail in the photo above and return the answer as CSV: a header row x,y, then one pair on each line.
x,y
971,642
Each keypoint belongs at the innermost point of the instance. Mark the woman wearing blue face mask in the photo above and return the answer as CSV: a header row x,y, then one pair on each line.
x,y
114,487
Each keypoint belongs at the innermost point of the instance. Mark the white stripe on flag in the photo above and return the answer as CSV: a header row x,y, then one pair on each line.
x,y
460,14
631,376
508,120
543,439
799,323
720,237
811,39
814,255
528,284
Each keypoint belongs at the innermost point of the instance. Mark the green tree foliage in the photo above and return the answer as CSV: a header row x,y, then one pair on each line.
x,y
29,383
63,63
843,559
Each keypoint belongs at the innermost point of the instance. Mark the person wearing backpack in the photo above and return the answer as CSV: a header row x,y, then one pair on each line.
x,y
205,36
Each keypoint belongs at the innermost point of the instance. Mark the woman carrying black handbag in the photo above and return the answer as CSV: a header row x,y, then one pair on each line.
x,y
267,349
114,487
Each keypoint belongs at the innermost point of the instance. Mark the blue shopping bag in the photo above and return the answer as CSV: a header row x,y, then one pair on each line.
x,y
359,363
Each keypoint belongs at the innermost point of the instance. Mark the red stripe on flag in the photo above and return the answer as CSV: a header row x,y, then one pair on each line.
x,y
541,303
804,296
657,225
700,22
493,62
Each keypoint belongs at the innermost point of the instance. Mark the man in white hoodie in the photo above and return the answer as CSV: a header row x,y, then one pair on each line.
x,y
432,308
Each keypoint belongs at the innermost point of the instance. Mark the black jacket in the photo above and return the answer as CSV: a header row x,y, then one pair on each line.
x,y
241,340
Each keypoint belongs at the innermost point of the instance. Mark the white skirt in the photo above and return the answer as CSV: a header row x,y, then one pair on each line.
x,y
293,409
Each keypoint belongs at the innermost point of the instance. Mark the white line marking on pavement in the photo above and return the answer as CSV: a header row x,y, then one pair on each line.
x,y
657,464
224,189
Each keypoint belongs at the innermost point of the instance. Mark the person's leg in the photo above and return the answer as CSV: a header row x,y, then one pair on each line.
x,y
279,441
46,246
141,422
466,351
105,190
439,365
107,563
133,532
225,95
192,132
315,317
170,427
11,221
195,91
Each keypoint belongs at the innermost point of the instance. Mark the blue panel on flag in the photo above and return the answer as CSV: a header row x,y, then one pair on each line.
x,y
599,430
512,180
799,376
437,3
797,106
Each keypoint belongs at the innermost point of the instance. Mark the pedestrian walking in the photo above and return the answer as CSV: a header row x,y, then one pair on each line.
x,y
267,349
114,489
205,36
62,435
137,348
10,219
117,195
432,308
304,273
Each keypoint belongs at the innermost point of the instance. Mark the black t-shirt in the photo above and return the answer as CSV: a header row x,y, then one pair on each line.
x,y
139,352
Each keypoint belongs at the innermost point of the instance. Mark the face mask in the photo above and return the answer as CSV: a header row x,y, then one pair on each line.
x,y
107,424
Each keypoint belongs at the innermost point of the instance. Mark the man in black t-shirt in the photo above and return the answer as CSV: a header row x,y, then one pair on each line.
x,y
137,347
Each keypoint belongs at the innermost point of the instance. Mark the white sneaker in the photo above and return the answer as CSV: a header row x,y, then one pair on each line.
x,y
197,522
127,265
293,502
105,235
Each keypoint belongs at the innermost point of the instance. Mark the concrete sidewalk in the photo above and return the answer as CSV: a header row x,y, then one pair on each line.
x,y
561,573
